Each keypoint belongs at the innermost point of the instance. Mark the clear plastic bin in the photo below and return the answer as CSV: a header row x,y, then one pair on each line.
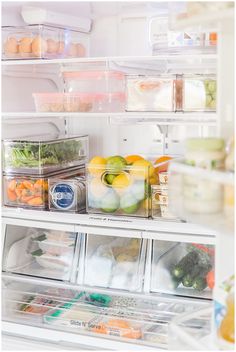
x,y
79,102
120,262
150,93
31,191
94,81
182,268
67,194
42,42
39,252
42,155
160,203
199,93
120,192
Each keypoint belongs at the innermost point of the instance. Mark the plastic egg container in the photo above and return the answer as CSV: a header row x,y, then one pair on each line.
x,y
40,41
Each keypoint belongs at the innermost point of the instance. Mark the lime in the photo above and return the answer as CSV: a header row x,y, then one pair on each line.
x,y
138,190
116,164
129,203
109,178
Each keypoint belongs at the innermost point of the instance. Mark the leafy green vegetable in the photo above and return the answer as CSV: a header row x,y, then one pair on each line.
x,y
43,154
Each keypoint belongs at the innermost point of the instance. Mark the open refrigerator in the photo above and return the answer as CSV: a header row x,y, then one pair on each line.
x,y
104,279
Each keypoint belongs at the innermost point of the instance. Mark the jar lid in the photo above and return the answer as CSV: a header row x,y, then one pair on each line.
x,y
208,144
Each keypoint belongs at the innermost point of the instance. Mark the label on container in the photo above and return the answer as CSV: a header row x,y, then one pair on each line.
x,y
63,196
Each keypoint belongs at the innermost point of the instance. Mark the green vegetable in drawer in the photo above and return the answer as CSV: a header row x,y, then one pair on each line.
x,y
185,265
199,283
197,270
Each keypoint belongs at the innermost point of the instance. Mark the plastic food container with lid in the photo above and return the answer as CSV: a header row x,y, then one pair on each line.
x,y
67,194
199,93
42,155
94,81
42,42
150,93
207,153
31,191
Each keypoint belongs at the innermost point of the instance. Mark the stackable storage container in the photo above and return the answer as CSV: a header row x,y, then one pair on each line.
x,y
150,93
41,155
94,81
120,192
31,191
42,42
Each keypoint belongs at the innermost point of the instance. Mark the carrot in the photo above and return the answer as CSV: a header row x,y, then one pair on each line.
x,y
20,185
11,195
12,185
210,279
26,199
28,185
35,201
39,182
18,192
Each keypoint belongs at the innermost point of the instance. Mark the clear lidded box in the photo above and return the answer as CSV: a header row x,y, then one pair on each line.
x,y
150,93
42,42
102,81
124,192
31,191
199,93
42,155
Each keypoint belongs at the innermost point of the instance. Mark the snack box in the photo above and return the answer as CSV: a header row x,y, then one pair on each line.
x,y
41,155
79,102
42,42
31,191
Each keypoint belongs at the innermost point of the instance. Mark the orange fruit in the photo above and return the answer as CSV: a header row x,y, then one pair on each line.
x,y
142,169
132,158
164,167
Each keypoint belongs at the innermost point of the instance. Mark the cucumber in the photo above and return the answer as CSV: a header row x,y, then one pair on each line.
x,y
197,270
199,283
185,265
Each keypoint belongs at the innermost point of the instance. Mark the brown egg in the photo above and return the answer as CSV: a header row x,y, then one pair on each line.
x,y
61,47
52,46
72,50
11,46
39,46
25,46
81,51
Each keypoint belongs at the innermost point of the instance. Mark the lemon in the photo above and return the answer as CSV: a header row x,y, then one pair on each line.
x,y
142,169
121,181
97,165
130,159
97,188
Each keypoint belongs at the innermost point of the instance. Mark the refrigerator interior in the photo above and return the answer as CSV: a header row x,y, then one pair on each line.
x,y
138,302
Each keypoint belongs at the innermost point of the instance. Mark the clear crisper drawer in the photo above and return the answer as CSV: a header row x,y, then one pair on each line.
x,y
39,252
138,320
113,262
44,154
185,269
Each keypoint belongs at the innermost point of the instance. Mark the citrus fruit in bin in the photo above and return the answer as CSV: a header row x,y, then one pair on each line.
x,y
110,202
130,159
142,169
164,167
109,178
138,190
97,188
121,182
96,165
115,164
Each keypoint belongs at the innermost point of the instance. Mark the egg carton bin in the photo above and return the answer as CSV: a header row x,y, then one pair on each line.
x,y
166,255
42,42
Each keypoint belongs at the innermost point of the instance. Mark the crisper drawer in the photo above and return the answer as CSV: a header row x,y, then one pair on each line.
x,y
35,249
183,268
143,320
114,259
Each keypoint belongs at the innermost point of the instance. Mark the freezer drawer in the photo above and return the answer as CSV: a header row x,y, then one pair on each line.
x,y
142,320
41,252
182,268
114,262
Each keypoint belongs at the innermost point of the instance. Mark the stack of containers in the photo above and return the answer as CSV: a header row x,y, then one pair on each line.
x,y
160,201
30,162
86,91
